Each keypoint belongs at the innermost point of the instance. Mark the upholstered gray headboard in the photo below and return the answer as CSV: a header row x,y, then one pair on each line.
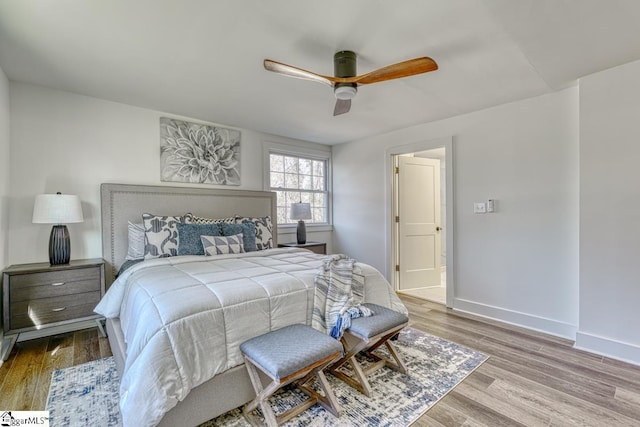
x,y
123,202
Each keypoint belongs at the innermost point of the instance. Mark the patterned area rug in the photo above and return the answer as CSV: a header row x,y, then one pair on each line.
x,y
87,395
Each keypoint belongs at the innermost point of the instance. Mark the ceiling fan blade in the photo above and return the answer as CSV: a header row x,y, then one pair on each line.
x,y
342,106
299,73
396,71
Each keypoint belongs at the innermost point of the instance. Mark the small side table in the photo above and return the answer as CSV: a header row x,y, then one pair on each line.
x,y
317,247
41,299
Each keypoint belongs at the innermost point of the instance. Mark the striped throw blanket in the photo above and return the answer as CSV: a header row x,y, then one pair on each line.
x,y
339,293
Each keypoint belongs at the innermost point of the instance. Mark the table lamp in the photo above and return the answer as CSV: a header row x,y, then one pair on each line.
x,y
58,209
301,211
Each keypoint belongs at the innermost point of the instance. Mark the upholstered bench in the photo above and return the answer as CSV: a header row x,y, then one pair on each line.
x,y
367,334
296,353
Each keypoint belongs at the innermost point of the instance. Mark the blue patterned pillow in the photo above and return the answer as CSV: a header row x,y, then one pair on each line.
x,y
221,245
189,242
248,231
264,230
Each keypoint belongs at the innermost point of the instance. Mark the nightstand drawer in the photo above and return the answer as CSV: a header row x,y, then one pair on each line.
x,y
48,278
54,289
38,312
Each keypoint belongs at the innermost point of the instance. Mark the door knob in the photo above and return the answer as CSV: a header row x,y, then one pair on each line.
x,y
438,228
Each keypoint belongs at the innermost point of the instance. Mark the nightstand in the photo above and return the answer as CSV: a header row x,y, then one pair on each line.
x,y
42,299
317,247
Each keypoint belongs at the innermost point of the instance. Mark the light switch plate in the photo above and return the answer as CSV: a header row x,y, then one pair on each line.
x,y
479,208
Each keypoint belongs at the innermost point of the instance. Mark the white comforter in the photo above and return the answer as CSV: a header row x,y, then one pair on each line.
x,y
184,318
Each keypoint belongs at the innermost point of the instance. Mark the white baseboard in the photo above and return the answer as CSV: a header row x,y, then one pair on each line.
x,y
529,321
608,347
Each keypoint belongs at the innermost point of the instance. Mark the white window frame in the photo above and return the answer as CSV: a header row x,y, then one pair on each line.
x,y
309,153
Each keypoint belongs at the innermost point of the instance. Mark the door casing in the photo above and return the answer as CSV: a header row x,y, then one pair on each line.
x,y
390,246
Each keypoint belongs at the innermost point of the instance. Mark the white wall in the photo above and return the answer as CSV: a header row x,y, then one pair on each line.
x,y
610,212
519,264
4,179
71,143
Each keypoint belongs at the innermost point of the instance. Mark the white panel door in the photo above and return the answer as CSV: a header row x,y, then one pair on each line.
x,y
419,222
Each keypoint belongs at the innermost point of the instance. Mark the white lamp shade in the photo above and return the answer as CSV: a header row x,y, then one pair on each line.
x,y
57,209
300,211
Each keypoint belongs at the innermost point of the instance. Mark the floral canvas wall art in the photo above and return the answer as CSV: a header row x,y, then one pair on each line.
x,y
196,153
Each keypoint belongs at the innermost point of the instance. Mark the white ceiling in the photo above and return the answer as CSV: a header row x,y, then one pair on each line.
x,y
203,58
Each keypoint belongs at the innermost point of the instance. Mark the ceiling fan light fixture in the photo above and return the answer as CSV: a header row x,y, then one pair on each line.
x,y
345,80
345,92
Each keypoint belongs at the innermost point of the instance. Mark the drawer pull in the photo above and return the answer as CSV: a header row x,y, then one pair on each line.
x,y
58,309
58,284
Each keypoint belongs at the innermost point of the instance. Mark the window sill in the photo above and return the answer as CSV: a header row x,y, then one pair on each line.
x,y
311,228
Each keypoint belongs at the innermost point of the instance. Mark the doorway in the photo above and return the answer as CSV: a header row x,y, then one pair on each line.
x,y
422,220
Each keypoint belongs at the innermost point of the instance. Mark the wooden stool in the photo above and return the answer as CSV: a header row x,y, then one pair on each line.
x,y
294,353
367,334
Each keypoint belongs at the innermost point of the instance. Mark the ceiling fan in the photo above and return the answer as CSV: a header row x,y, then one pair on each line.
x,y
345,82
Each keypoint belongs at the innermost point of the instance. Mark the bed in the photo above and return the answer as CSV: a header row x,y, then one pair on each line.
x,y
221,300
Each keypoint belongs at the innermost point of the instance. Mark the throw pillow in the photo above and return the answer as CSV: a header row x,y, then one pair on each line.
x,y
222,245
189,242
161,235
264,232
190,218
248,231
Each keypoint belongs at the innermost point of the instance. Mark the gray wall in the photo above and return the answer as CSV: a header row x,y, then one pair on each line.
x,y
561,253
520,264
71,143
610,212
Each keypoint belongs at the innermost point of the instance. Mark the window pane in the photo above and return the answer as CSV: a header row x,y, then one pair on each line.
x,y
291,164
306,197
318,214
276,163
291,180
293,197
277,179
305,166
319,199
318,167
318,183
305,182
282,215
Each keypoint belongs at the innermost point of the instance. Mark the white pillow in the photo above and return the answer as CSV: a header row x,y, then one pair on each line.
x,y
161,235
222,245
135,250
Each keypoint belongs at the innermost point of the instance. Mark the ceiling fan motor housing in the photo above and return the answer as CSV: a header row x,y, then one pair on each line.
x,y
344,65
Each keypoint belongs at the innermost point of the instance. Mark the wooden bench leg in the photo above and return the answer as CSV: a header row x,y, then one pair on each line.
x,y
359,379
397,364
261,399
353,345
328,400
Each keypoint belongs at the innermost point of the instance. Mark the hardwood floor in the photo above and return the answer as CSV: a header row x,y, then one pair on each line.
x,y
25,376
530,379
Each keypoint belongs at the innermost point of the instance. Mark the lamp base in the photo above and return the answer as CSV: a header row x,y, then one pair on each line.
x,y
59,245
301,233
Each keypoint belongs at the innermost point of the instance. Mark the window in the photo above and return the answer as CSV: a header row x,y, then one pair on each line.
x,y
300,179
